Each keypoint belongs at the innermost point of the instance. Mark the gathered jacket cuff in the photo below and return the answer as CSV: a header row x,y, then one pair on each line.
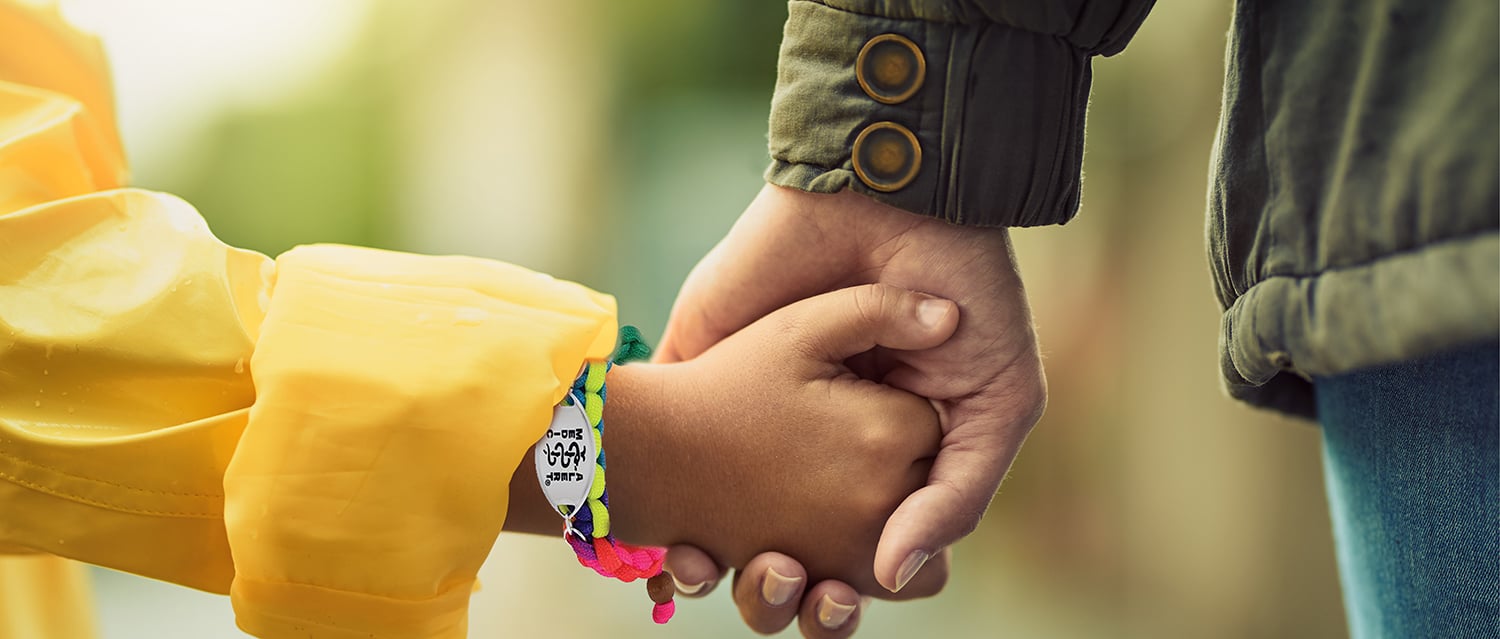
x,y
971,112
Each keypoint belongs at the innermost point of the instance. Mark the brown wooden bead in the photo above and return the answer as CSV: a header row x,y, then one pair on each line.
x,y
660,588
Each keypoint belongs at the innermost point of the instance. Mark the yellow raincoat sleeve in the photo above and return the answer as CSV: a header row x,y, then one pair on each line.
x,y
329,436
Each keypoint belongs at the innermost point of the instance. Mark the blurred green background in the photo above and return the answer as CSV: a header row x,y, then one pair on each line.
x,y
1145,505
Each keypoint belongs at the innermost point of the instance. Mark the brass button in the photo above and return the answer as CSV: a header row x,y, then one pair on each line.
x,y
886,156
890,68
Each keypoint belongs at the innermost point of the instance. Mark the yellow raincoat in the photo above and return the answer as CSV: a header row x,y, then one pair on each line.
x,y
327,437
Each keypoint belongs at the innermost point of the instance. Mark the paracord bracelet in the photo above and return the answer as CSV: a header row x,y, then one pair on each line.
x,y
586,526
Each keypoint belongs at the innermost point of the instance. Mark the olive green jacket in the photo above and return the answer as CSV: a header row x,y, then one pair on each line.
x,y
1353,201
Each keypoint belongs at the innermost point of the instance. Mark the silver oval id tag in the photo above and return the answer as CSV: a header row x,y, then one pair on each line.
x,y
565,458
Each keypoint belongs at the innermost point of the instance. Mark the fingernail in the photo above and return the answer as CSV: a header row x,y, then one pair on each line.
x,y
910,567
777,589
689,589
832,614
932,311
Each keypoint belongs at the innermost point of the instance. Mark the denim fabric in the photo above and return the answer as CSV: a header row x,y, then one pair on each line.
x,y
1412,461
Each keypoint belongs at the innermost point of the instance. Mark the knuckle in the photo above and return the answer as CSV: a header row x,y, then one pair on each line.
x,y
970,522
879,437
800,339
872,301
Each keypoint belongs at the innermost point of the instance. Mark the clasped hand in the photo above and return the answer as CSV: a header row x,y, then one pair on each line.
x,y
985,383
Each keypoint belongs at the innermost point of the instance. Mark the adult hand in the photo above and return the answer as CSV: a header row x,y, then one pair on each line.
x,y
986,381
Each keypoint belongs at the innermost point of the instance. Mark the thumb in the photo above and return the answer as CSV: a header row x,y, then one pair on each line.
x,y
967,471
846,322
927,521
691,328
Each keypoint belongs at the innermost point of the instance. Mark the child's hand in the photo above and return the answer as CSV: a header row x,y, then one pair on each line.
x,y
767,442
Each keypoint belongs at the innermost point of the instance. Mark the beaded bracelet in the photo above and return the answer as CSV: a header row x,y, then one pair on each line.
x,y
563,459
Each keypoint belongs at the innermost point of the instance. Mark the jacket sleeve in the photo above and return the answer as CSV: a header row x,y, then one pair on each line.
x,y
971,111
395,396
328,436
122,324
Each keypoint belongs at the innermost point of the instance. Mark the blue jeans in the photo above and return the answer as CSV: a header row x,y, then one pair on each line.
x,y
1411,461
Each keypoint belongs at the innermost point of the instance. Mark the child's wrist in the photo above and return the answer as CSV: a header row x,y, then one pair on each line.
x,y
634,414
573,468
637,435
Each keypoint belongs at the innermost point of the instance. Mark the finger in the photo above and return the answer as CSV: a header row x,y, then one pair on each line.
x,y
830,610
768,591
693,571
965,475
845,322
770,258
928,581
690,329
691,326
730,288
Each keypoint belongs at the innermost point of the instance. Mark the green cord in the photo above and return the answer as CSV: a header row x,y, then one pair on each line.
x,y
633,347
